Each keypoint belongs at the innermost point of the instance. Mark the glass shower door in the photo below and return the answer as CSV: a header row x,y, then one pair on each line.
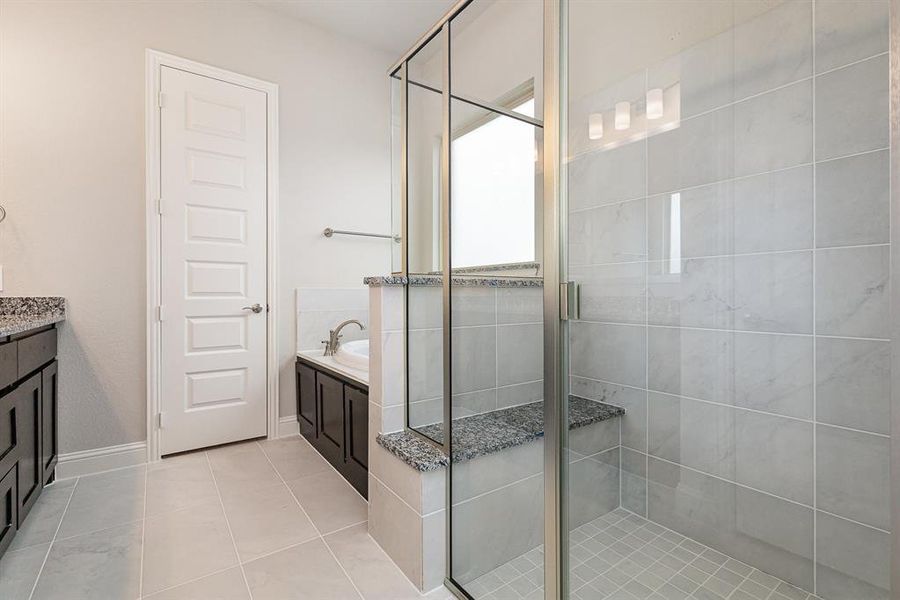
x,y
494,291
727,198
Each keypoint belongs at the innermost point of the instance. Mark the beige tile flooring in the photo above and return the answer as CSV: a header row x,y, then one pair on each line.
x,y
254,521
623,556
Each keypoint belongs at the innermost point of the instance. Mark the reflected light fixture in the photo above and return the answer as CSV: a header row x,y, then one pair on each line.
x,y
655,103
623,115
595,126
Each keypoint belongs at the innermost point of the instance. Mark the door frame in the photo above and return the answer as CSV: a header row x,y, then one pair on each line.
x,y
154,61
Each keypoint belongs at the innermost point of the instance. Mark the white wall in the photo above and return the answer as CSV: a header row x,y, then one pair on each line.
x,y
72,175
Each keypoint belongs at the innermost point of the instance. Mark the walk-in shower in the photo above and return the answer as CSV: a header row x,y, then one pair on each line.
x,y
648,246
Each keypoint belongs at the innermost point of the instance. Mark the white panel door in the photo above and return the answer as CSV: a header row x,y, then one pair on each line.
x,y
213,360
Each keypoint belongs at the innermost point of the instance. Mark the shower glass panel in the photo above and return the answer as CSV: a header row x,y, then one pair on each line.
x,y
496,54
496,478
496,481
727,173
424,339
397,208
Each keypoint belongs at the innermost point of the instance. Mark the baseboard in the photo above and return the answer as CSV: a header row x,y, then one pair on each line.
x,y
87,462
288,426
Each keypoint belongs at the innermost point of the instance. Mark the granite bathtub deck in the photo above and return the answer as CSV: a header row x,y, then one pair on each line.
x,y
21,313
487,433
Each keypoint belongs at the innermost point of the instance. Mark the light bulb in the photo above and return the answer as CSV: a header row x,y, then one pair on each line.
x,y
623,115
595,126
655,103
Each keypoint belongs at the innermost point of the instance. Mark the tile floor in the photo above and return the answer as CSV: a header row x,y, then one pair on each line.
x,y
622,556
252,521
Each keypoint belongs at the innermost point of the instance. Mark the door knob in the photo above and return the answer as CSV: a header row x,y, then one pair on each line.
x,y
255,308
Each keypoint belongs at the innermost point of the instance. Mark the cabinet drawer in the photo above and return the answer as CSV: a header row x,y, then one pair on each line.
x,y
35,351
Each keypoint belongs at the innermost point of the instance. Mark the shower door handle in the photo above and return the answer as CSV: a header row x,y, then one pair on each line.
x,y
569,300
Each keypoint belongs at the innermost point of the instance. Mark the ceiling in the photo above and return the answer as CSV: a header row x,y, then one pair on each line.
x,y
389,25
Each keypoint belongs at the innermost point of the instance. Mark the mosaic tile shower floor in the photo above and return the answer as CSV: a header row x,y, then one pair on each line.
x,y
623,556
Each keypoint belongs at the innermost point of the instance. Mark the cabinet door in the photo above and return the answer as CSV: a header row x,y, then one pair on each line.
x,y
356,414
306,401
8,436
49,412
9,503
28,412
331,418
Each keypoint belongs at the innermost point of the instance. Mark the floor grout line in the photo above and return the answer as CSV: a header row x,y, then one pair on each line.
x,y
143,532
315,527
53,539
237,554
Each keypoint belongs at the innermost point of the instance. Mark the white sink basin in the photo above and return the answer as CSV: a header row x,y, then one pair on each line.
x,y
354,354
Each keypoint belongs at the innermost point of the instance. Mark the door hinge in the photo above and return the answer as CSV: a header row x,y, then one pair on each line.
x,y
160,100
159,313
159,419
159,206
569,301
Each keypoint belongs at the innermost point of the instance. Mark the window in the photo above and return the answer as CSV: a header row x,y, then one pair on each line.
x,y
493,191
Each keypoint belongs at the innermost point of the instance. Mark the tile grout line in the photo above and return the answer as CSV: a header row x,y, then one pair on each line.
x,y
331,466
237,554
645,276
655,194
736,407
53,539
815,380
736,331
311,522
645,259
189,581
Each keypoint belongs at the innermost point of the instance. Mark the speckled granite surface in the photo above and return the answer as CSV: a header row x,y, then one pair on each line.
x,y
484,434
469,281
524,266
21,313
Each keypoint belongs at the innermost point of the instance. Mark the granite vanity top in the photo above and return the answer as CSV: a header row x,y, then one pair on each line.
x,y
462,280
480,435
21,313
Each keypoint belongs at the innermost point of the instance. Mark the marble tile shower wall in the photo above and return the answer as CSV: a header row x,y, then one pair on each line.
x,y
735,297
497,350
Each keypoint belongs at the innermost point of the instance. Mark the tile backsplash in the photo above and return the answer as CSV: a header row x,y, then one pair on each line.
x,y
319,310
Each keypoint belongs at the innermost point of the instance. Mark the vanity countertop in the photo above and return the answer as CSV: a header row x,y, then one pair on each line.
x,y
21,313
329,364
486,433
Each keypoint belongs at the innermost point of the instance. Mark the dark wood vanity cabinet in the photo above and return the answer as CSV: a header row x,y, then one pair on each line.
x,y
334,416
28,424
